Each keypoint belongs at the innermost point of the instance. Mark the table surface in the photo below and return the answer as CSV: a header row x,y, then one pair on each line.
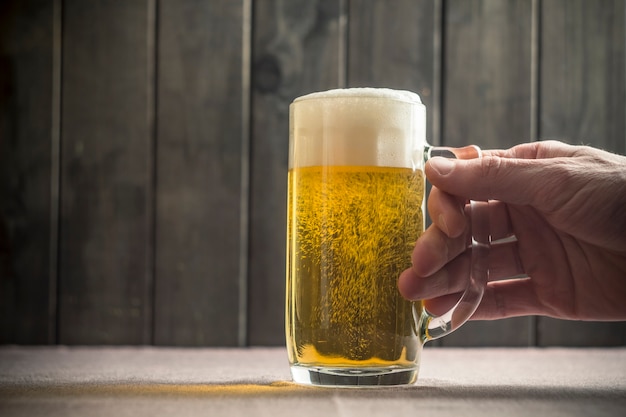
x,y
120,381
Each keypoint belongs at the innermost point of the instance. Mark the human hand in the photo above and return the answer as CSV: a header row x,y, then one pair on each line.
x,y
564,205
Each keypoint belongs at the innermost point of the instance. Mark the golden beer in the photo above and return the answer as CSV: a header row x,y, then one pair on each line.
x,y
355,210
351,231
356,188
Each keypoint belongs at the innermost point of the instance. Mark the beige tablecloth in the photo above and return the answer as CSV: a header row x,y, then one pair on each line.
x,y
138,381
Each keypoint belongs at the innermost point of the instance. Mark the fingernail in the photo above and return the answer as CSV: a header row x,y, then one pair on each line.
x,y
443,166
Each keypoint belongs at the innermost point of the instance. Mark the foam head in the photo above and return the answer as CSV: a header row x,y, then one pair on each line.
x,y
356,126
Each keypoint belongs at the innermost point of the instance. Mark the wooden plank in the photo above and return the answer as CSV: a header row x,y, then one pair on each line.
x,y
582,100
199,164
394,47
487,101
106,173
297,50
487,60
518,331
27,40
583,72
553,332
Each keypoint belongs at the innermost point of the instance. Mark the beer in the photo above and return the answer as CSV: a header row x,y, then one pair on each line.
x,y
356,187
355,210
351,231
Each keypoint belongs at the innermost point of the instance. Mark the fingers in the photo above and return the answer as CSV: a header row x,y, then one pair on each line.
x,y
479,179
512,176
510,298
453,277
502,299
447,213
504,261
434,249
525,174
518,177
500,225
534,150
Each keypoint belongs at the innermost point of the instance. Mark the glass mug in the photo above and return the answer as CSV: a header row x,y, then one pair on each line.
x,y
356,191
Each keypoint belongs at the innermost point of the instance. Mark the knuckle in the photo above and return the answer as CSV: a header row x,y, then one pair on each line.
x,y
490,166
490,170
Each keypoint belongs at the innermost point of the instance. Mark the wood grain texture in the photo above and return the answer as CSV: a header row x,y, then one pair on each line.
x,y
518,331
486,78
296,51
487,94
26,102
582,101
163,231
106,174
198,192
553,332
582,94
394,47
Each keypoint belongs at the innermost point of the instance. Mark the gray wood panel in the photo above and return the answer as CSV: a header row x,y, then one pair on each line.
x,y
486,74
297,50
396,47
582,100
583,72
487,102
106,173
27,37
143,178
199,165
553,332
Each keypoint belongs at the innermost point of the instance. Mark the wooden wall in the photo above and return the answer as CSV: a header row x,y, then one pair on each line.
x,y
143,145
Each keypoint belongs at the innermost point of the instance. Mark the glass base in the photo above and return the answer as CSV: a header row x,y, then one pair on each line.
x,y
352,377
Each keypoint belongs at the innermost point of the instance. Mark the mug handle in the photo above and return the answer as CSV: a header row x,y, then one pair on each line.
x,y
433,327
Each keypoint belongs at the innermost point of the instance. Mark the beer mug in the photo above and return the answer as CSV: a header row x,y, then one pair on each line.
x,y
356,191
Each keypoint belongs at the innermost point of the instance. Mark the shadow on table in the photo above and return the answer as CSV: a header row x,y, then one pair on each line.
x,y
430,389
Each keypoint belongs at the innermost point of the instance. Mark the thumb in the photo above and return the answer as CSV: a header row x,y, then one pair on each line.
x,y
511,180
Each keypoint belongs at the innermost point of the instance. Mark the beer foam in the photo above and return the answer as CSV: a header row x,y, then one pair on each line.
x,y
384,93
357,126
